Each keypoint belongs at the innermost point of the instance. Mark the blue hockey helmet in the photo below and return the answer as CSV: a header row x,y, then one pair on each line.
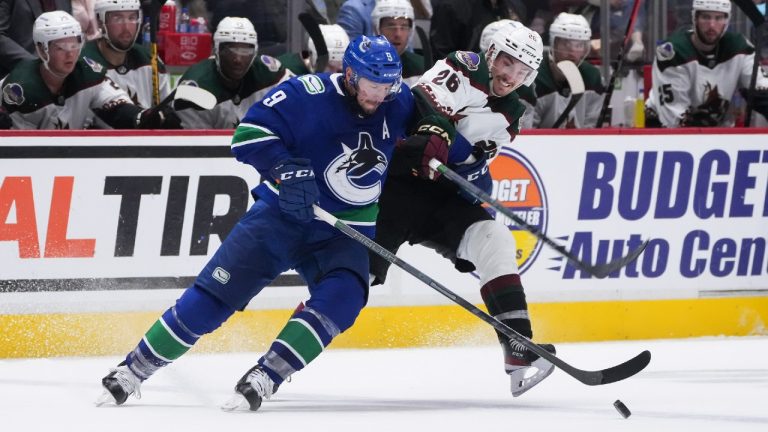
x,y
374,59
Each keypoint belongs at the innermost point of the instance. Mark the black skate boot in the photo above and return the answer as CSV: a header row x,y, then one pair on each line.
x,y
252,388
118,385
524,367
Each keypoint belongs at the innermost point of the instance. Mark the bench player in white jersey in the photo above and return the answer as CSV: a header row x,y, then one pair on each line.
x,y
547,99
127,64
697,71
393,19
237,76
475,94
62,91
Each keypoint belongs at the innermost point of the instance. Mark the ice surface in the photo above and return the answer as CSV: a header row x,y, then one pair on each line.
x,y
712,384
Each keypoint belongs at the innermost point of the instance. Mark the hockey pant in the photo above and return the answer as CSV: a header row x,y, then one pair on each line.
x,y
259,248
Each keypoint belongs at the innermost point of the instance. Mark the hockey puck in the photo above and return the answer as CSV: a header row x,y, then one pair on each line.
x,y
622,409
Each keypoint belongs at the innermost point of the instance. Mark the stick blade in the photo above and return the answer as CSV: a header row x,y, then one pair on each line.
x,y
572,75
603,270
627,369
200,97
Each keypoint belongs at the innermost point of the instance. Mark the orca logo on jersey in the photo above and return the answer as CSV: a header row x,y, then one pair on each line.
x,y
517,185
355,175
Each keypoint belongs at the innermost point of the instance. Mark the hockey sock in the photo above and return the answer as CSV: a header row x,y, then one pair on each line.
x,y
196,313
302,339
505,299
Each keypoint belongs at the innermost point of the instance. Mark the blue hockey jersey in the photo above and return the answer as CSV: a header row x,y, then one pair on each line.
x,y
310,116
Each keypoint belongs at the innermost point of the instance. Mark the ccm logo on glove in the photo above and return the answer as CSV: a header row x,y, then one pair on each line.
x,y
296,174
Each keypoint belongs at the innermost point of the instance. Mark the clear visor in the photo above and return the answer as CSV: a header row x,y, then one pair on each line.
x,y
510,70
570,49
66,46
239,51
120,19
377,92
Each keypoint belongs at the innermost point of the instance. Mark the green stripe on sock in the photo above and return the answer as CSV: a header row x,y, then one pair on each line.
x,y
163,342
300,338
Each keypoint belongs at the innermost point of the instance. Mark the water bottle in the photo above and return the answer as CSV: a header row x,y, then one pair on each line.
x,y
201,25
639,119
184,21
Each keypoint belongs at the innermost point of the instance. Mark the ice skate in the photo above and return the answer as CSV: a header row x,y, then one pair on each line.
x,y
252,388
524,367
118,385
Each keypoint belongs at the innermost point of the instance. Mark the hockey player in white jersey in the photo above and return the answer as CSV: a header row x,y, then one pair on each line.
x,y
393,19
547,99
62,91
475,94
237,76
127,64
697,71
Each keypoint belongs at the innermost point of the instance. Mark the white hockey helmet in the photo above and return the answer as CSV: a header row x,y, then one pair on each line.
x,y
391,9
336,40
234,29
101,7
723,6
569,26
520,43
52,26
492,28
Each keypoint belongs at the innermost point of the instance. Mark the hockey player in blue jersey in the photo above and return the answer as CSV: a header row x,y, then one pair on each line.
x,y
336,156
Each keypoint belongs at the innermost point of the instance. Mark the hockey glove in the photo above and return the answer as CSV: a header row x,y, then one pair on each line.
x,y
5,119
298,190
477,173
432,140
710,114
159,117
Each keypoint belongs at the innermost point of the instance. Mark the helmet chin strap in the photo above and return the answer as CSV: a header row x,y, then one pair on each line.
x,y
48,68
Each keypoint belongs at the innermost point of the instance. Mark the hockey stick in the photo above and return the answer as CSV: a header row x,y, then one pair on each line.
x,y
619,63
576,83
426,48
314,32
758,20
200,97
599,377
599,271
152,10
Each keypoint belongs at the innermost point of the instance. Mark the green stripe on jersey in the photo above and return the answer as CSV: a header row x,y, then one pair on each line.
x,y
251,133
362,215
297,335
164,343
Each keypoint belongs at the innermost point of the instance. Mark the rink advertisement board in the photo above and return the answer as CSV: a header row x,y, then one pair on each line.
x,y
116,210
105,227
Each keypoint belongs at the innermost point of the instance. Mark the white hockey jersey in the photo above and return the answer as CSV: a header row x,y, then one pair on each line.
x,y
684,80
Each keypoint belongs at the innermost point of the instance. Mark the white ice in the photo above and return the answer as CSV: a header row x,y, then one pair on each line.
x,y
713,384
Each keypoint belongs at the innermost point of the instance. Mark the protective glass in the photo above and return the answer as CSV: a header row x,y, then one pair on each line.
x,y
396,26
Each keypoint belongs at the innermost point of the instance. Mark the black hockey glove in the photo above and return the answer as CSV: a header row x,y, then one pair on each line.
x,y
159,117
5,119
476,172
432,140
298,189
706,115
